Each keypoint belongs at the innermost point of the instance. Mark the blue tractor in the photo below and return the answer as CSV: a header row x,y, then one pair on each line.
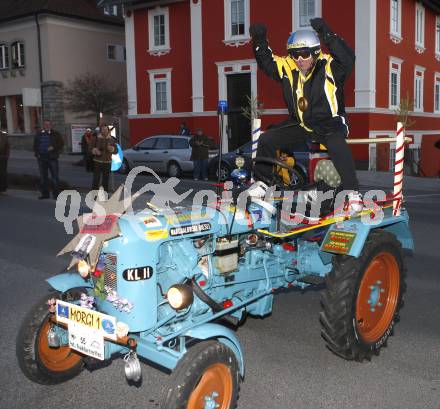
x,y
168,287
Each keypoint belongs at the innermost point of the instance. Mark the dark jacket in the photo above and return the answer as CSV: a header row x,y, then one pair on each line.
x,y
4,147
56,141
102,145
86,145
200,147
323,88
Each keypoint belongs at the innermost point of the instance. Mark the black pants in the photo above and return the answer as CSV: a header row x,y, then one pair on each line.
x,y
287,137
101,168
46,165
3,175
88,163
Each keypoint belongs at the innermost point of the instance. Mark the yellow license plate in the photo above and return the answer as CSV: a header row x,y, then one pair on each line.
x,y
71,313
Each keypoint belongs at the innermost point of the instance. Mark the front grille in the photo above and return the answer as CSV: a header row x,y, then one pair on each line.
x,y
108,265
110,277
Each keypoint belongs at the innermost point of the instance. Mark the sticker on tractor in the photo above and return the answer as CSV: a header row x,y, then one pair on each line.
x,y
151,221
193,228
99,224
153,235
138,273
339,242
185,218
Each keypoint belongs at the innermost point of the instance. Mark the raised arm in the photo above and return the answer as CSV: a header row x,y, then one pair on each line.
x,y
263,54
343,55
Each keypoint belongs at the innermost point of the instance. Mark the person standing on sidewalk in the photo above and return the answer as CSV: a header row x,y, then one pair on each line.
x,y
4,156
200,145
86,148
183,130
104,145
48,145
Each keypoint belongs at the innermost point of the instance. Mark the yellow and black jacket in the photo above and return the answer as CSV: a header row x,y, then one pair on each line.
x,y
322,88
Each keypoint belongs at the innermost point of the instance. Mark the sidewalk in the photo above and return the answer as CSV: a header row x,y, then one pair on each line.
x,y
71,174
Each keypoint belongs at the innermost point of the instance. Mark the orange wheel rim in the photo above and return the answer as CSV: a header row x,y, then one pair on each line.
x,y
377,297
214,388
59,359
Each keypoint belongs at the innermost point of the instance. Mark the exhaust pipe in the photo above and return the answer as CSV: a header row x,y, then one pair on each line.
x,y
132,367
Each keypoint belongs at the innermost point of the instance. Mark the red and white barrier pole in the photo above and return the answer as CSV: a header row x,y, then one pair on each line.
x,y
398,169
256,131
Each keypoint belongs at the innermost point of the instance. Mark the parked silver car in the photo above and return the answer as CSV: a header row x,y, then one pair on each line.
x,y
168,154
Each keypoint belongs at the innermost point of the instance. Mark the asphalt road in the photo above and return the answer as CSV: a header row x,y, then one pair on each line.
x,y
287,364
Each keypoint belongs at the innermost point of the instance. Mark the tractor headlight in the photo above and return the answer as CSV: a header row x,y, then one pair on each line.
x,y
239,162
83,268
180,296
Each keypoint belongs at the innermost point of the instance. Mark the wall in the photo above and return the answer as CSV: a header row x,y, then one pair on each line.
x,y
22,30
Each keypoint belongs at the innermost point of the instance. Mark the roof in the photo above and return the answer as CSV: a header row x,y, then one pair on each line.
x,y
432,4
82,9
139,3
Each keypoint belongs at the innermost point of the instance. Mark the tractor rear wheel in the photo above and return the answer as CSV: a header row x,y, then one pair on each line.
x,y
206,377
361,303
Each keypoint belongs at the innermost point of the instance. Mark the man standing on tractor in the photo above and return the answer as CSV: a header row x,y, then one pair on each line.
x,y
313,89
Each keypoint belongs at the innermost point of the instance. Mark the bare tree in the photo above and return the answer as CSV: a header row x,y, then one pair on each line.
x,y
92,94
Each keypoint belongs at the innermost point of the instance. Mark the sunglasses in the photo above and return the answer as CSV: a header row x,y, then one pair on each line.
x,y
304,54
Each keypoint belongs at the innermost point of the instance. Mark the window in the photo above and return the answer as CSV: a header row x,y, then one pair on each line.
x,y
180,143
163,143
158,31
396,20
394,82
419,73
4,56
437,92
111,10
236,21
161,95
116,52
420,28
160,90
437,36
303,11
17,54
147,144
111,52
237,17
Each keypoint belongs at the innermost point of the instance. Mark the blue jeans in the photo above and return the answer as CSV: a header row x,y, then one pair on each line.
x,y
200,169
47,165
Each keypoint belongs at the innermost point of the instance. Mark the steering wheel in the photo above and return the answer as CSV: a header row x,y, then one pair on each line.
x,y
296,177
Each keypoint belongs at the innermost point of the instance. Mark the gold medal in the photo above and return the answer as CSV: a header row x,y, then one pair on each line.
x,y
302,104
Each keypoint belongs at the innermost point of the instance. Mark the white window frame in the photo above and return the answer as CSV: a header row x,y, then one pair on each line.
x,y
119,53
437,38
296,15
4,56
418,107
111,10
436,94
16,49
419,28
398,71
396,32
236,40
153,49
108,54
153,81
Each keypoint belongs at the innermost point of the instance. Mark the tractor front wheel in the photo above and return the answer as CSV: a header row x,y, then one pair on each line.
x,y
206,377
38,361
361,303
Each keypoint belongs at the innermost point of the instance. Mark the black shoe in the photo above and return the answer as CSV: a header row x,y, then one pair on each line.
x,y
43,197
